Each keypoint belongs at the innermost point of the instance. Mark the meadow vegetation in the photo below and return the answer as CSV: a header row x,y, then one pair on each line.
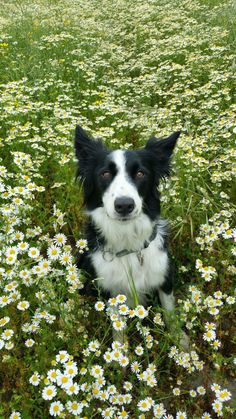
x,y
124,71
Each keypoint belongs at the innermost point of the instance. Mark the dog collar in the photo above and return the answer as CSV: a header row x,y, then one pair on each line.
x,y
109,256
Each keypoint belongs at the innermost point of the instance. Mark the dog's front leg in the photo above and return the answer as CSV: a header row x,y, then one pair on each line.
x,y
168,303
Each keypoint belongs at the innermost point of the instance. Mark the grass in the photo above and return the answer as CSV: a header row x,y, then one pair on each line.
x,y
124,72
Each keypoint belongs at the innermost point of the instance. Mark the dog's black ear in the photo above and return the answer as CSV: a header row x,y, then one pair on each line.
x,y
83,143
162,149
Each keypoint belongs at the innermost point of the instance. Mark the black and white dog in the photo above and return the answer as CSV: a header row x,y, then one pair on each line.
x,y
127,239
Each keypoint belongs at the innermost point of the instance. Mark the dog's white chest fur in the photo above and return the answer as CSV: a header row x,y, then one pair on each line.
x,y
138,272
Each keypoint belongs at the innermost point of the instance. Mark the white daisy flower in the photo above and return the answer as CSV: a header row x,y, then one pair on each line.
x,y
141,312
72,388
53,374
96,371
74,407
49,392
60,239
15,415
56,408
29,343
23,305
99,306
145,404
62,357
35,379
53,252
33,253
7,334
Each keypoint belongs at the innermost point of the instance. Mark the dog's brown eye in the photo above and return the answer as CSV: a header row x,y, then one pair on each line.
x,y
139,174
106,174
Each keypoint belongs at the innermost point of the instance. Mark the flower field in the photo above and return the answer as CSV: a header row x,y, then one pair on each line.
x,y
124,71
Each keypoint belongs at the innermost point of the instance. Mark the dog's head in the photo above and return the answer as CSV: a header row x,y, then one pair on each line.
x,y
123,182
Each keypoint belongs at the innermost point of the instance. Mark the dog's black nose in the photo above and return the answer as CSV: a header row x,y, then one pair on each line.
x,y
124,205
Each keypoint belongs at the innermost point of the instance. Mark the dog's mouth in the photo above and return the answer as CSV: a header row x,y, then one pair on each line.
x,y
124,218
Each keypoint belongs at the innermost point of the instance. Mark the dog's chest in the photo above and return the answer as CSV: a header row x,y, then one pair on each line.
x,y
138,272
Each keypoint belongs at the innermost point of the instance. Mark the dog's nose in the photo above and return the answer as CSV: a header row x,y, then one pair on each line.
x,y
124,205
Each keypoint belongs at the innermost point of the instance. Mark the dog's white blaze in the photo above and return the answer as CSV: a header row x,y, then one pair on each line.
x,y
120,186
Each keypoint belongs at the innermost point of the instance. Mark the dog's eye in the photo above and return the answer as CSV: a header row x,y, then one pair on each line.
x,y
106,174
139,174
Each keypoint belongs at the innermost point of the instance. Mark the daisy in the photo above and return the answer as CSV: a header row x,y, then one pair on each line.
x,y
22,246
29,343
123,309
71,370
93,345
108,356
74,407
141,312
123,414
7,334
53,252
119,325
159,410
121,299
217,406
56,408
35,379
82,244
97,371
66,258
23,305
4,321
99,306
201,390
145,404
176,391
127,385
209,335
230,300
108,413
15,415
60,239
193,393
135,367
216,344
223,395
53,374
112,301
123,361
49,392
33,253
5,300
9,345
72,388
215,387
116,354
11,259
62,356
139,350
63,380
181,415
